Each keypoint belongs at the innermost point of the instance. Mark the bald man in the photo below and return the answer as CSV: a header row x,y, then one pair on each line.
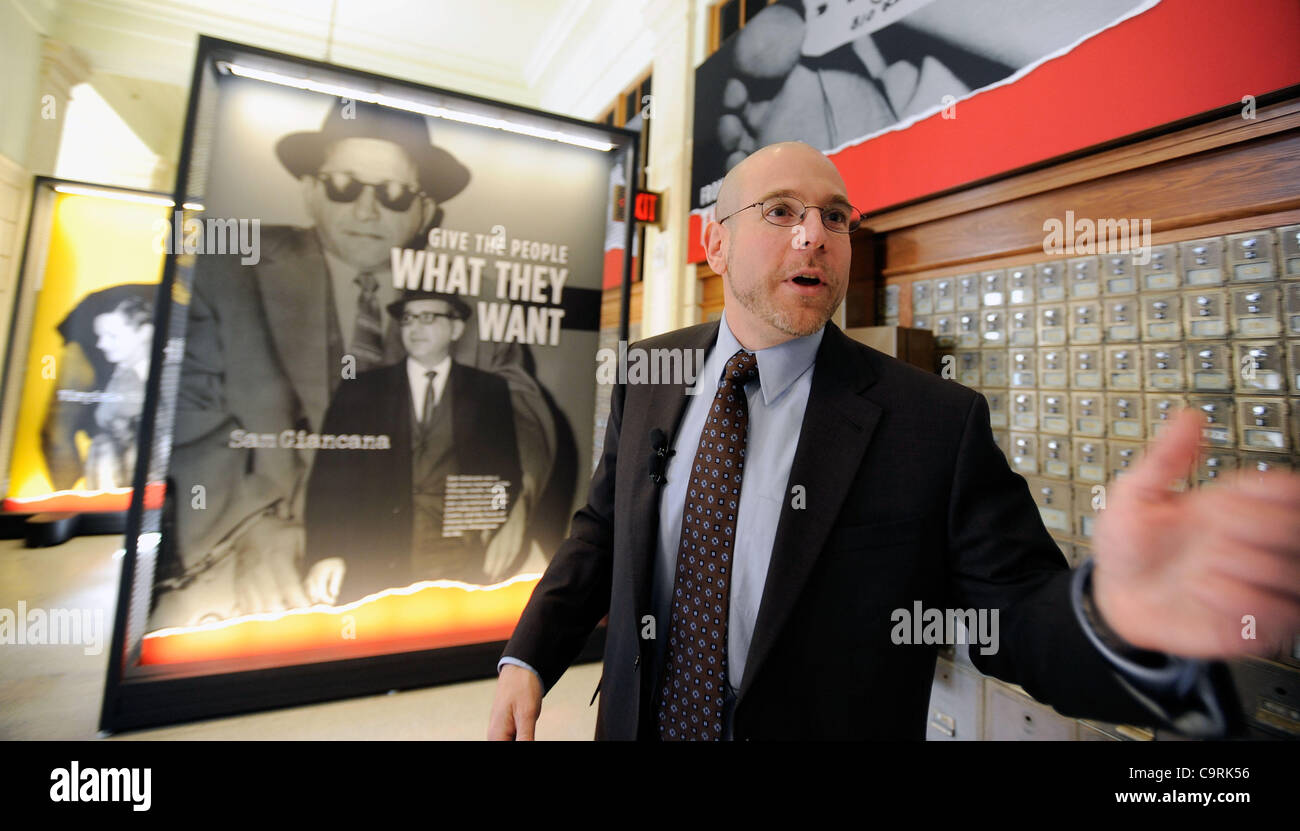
x,y
756,546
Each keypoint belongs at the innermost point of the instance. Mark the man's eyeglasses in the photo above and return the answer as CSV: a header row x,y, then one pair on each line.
x,y
344,187
427,318
786,211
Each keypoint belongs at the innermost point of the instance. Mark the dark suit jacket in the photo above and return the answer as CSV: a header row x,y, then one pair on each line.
x,y
907,498
359,503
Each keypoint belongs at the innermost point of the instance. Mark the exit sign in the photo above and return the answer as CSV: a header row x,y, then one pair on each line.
x,y
646,208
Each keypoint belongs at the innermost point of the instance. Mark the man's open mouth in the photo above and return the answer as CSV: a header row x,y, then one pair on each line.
x,y
807,280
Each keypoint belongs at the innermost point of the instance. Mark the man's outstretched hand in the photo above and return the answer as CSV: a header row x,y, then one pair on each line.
x,y
1196,573
517,704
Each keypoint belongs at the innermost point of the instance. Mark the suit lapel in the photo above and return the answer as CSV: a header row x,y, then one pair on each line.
x,y
665,409
292,283
837,427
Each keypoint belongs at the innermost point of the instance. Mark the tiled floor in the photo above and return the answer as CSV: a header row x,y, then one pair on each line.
x,y
54,692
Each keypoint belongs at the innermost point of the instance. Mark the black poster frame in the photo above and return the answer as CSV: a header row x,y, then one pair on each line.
x,y
133,703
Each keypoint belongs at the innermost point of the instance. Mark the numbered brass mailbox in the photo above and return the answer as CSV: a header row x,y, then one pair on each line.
x,y
993,288
968,368
1086,368
1220,430
1024,410
1123,367
945,294
922,303
1254,312
1124,415
1250,257
944,327
1051,324
1211,367
968,292
1288,243
1262,424
1020,286
1085,322
1261,367
999,408
1164,364
968,330
994,371
1051,282
1089,459
1205,314
1024,453
993,327
1121,319
1022,368
1123,456
1088,504
1054,412
1054,504
1020,331
1084,280
1202,261
1161,273
1291,309
1054,454
1089,411
1118,275
891,301
1053,369
1162,317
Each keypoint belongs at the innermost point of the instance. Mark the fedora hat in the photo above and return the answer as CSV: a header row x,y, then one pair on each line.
x,y
441,175
457,305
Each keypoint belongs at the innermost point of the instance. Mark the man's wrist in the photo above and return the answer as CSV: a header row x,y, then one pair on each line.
x,y
1154,670
515,662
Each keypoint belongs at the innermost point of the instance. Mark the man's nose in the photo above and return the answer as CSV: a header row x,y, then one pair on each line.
x,y
366,206
813,233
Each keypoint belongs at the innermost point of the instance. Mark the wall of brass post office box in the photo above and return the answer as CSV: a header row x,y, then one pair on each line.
x,y
1086,360
1085,356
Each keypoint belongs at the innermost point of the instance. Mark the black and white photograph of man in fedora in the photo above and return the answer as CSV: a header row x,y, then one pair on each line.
x,y
268,345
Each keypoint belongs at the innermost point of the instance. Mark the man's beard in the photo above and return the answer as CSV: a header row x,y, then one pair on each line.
x,y
759,304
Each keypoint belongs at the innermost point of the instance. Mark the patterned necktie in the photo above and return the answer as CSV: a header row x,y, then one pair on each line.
x,y
368,333
427,416
695,670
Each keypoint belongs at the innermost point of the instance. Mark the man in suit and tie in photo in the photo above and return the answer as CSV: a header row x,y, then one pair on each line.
x,y
375,518
268,345
751,589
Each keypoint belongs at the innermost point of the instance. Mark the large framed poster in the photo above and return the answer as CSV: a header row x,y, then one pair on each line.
x,y
379,348
84,312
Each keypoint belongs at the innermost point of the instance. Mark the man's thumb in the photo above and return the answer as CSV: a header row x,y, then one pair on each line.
x,y
1171,456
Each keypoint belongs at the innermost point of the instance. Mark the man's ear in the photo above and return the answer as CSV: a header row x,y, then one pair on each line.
x,y
715,249
457,329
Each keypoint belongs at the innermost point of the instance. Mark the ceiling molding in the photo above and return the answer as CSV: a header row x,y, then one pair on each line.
x,y
555,36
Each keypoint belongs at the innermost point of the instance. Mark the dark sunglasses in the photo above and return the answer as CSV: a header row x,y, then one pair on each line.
x,y
427,318
344,187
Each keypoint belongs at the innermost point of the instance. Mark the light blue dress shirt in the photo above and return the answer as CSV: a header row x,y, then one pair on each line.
x,y
777,401
776,406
